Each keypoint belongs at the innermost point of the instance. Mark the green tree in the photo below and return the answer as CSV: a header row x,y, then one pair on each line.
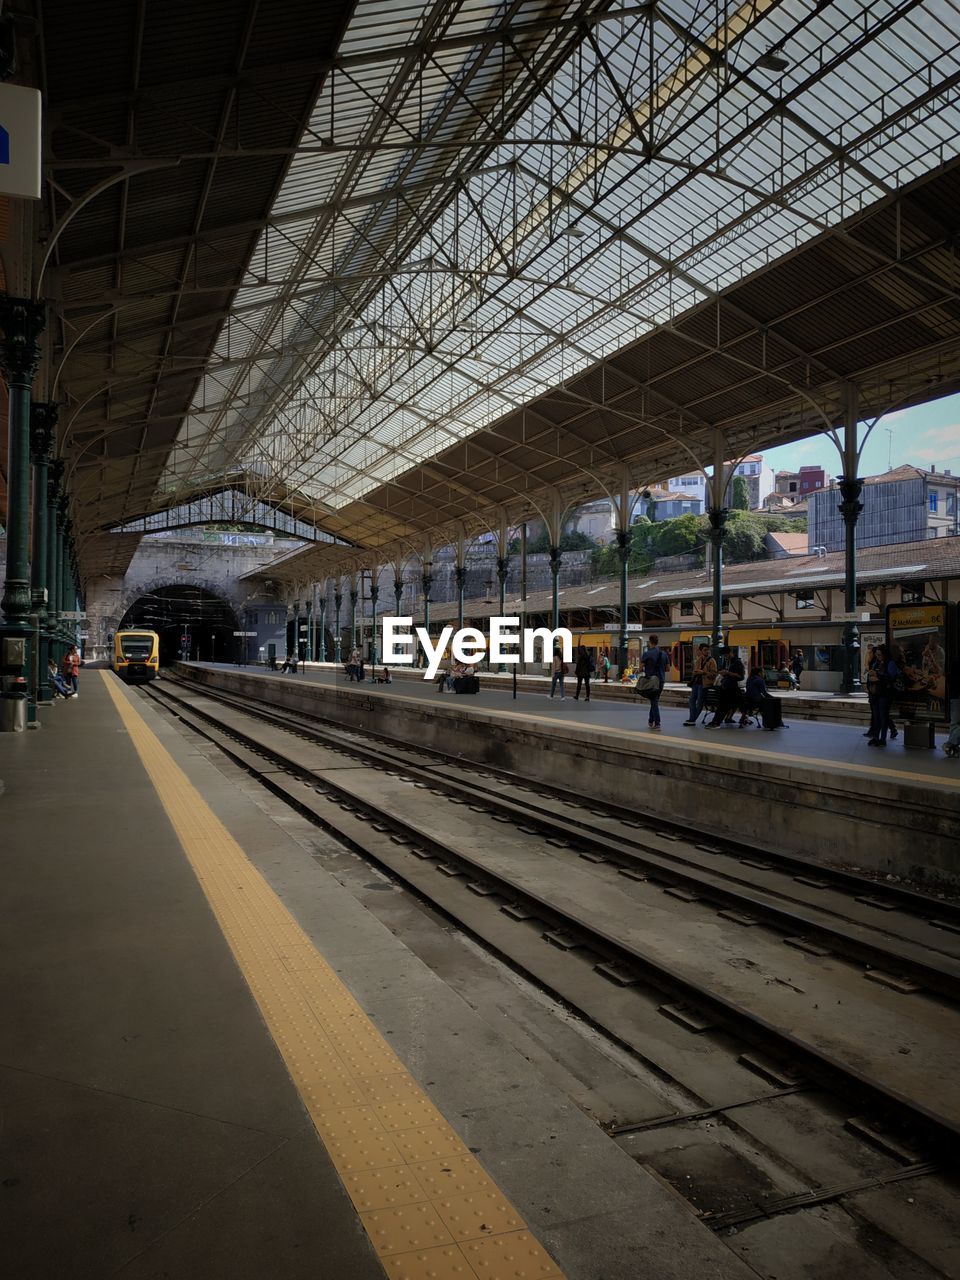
x,y
741,494
745,536
677,537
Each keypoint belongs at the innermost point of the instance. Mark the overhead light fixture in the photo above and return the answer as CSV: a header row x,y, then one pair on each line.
x,y
771,61
573,232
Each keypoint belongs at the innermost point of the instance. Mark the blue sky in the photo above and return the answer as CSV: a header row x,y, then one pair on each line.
x,y
928,434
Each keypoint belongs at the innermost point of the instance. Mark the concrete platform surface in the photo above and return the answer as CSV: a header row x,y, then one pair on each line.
x,y
820,743
151,1126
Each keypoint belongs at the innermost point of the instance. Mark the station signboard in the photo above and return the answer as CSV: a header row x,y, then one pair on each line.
x,y
920,638
19,141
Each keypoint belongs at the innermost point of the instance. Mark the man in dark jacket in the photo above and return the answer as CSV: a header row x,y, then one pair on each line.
x,y
583,670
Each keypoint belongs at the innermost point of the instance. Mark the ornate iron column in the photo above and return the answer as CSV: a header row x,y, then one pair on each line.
x,y
556,555
374,597
460,575
397,590
22,323
320,633
623,551
851,487
337,642
308,643
54,476
717,517
43,421
427,588
296,630
503,569
354,597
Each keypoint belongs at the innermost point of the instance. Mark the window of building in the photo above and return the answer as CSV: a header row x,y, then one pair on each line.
x,y
686,608
861,596
252,617
725,604
793,486
804,599
932,497
912,593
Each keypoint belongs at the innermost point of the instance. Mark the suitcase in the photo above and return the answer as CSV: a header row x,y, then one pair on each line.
x,y
466,684
771,713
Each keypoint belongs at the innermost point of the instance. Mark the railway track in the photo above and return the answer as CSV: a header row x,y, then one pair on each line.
x,y
471,884
755,1125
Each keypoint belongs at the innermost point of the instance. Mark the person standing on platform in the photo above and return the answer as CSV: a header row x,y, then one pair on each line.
x,y
654,663
888,672
71,669
583,671
952,744
558,670
729,690
796,666
605,666
704,676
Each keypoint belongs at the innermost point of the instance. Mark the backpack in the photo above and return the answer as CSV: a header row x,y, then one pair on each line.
x,y
592,666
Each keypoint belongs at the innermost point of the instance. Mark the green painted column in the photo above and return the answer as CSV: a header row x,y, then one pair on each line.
x,y
337,641
503,568
43,421
374,597
354,597
427,588
623,551
54,477
717,517
22,323
556,556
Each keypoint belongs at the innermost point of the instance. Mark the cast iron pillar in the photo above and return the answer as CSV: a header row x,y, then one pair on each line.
x,y
850,508
460,576
308,642
54,476
374,597
623,551
337,641
296,630
555,558
717,517
427,588
319,629
503,568
354,597
43,421
851,487
22,323
397,591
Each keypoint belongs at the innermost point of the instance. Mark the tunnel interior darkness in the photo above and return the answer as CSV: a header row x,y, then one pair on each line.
x,y
177,612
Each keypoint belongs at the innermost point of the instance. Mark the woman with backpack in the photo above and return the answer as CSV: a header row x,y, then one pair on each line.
x,y
558,670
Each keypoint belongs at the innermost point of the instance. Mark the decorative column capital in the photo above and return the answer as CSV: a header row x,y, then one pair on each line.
x,y
460,574
427,585
22,321
623,543
338,599
503,567
43,426
374,592
851,506
717,519
556,556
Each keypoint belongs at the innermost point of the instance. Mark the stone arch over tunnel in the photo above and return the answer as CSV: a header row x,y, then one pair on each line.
x,y
177,611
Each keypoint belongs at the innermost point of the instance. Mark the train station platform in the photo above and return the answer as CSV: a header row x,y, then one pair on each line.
x,y
813,789
219,1063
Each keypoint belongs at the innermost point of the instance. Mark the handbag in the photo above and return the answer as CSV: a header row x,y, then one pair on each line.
x,y
647,684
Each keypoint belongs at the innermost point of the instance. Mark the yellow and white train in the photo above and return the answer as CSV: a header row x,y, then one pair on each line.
x,y
136,655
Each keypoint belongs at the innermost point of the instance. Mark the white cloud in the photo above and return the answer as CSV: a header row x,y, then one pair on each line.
x,y
936,444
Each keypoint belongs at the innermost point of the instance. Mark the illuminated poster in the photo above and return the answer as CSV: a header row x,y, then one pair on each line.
x,y
917,636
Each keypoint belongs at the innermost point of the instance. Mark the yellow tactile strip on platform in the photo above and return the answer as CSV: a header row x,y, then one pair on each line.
x,y
428,1206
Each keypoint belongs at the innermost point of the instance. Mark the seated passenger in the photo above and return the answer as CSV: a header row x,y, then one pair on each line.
x,y
728,686
60,687
753,694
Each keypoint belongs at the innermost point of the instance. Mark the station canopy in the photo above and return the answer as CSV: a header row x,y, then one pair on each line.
x,y
512,248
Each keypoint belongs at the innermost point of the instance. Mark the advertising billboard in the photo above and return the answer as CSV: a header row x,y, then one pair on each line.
x,y
919,639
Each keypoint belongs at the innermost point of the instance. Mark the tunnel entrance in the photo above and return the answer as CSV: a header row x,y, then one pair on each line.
x,y
188,617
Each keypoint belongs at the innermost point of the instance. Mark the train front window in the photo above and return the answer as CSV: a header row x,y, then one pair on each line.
x,y
137,647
